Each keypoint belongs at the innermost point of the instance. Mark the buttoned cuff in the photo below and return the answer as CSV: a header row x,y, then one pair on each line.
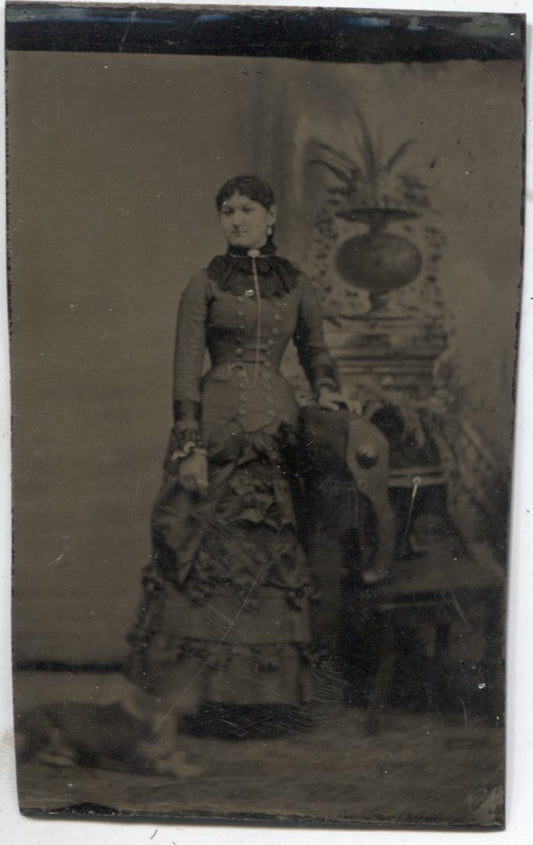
x,y
186,435
325,375
187,410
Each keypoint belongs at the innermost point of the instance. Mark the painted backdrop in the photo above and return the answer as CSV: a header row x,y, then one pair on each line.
x,y
113,164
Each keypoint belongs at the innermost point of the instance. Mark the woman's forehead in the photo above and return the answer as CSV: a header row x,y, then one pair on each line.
x,y
238,197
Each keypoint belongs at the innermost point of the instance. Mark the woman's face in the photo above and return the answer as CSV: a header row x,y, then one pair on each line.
x,y
245,222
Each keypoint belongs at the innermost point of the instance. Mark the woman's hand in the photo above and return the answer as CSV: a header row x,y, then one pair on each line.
x,y
192,472
333,400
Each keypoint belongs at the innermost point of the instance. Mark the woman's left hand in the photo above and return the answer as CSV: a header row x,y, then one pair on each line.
x,y
333,400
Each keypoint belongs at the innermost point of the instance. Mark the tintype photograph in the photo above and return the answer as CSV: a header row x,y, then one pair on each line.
x,y
264,286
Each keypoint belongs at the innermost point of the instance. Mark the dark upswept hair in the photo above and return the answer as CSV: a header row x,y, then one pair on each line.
x,y
249,186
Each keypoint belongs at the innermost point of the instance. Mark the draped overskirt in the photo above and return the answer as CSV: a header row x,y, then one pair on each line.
x,y
225,610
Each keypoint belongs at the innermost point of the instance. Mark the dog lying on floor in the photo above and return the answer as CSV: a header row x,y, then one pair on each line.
x,y
103,736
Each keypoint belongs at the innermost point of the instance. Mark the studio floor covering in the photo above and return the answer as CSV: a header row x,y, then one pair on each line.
x,y
423,769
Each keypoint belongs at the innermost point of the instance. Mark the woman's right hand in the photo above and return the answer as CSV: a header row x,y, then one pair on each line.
x,y
192,472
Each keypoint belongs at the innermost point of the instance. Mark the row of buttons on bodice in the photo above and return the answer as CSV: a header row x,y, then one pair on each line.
x,y
247,373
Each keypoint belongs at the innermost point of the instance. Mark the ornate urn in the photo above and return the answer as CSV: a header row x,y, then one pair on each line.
x,y
371,190
377,260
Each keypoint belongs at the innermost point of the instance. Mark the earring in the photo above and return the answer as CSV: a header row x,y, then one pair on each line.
x,y
269,231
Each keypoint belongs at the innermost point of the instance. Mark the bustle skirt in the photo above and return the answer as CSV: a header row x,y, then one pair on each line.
x,y
225,609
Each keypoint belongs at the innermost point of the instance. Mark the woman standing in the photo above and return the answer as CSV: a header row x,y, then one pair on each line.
x,y
225,612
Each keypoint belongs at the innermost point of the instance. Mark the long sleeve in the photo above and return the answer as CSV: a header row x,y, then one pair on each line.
x,y
313,353
189,351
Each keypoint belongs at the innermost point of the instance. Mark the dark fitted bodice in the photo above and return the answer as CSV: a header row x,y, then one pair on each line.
x,y
244,390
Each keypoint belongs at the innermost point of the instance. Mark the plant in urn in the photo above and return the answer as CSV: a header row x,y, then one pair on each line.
x,y
371,189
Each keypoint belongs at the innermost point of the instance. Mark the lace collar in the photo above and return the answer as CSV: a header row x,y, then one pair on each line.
x,y
233,271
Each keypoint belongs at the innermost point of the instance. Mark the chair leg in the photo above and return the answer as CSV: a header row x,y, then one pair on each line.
x,y
382,681
440,663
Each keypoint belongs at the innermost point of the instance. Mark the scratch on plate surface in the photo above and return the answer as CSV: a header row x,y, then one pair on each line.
x,y
223,639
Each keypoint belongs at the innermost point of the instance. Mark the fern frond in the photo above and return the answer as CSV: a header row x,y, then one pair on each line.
x,y
342,175
398,154
365,146
342,156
